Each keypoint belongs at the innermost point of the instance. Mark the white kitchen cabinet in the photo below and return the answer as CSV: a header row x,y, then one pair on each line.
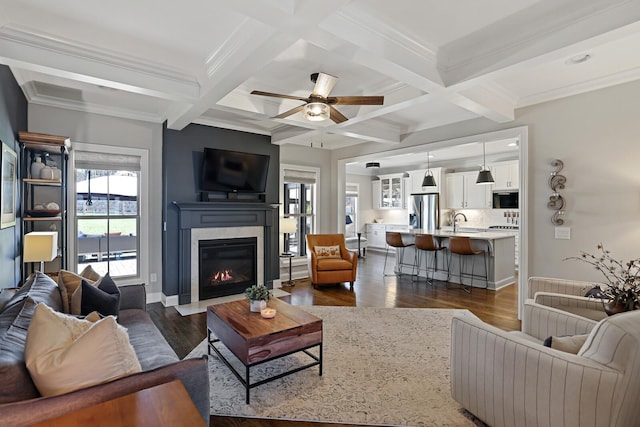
x,y
376,236
462,192
392,192
375,194
416,177
506,175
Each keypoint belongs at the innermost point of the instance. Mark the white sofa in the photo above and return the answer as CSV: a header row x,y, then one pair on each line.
x,y
510,379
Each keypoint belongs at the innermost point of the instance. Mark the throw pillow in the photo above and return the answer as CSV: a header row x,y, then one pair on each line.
x,y
327,251
102,296
90,273
595,292
567,343
68,282
63,353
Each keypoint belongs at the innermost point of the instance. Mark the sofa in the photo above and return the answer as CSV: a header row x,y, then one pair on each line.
x,y
512,379
567,295
20,402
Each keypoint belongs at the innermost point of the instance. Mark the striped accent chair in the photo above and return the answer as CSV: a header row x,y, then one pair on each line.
x,y
567,295
510,379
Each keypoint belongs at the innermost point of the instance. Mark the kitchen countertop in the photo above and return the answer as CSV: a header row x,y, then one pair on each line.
x,y
478,235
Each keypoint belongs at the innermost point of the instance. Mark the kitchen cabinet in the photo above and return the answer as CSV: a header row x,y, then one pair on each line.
x,y
506,175
44,197
392,191
376,236
416,177
462,192
375,194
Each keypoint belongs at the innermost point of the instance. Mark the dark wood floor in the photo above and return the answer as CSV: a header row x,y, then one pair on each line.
x,y
371,289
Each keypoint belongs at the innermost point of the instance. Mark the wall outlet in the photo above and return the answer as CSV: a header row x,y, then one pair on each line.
x,y
153,277
563,233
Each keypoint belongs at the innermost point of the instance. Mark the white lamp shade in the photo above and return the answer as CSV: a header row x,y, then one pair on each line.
x,y
40,246
288,225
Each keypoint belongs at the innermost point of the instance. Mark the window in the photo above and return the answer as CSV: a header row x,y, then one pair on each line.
x,y
299,202
107,212
351,207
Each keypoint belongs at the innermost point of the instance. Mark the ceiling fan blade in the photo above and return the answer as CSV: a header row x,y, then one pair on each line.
x,y
324,84
355,100
290,112
336,115
278,95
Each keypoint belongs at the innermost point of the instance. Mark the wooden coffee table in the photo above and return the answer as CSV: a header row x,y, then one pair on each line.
x,y
255,340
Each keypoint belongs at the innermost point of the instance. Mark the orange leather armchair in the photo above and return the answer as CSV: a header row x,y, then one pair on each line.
x,y
330,270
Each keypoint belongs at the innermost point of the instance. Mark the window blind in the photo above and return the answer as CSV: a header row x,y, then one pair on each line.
x,y
299,176
106,161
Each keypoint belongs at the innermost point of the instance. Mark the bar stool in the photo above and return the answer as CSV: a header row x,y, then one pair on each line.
x,y
461,246
394,240
425,243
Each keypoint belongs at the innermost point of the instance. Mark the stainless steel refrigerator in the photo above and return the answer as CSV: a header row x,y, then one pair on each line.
x,y
424,211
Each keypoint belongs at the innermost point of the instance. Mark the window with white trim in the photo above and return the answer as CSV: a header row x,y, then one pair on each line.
x,y
107,212
351,208
299,202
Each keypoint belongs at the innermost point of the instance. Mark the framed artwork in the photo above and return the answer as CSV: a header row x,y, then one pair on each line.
x,y
9,189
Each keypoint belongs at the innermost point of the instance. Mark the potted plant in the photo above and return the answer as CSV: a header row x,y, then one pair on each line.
x,y
258,295
622,290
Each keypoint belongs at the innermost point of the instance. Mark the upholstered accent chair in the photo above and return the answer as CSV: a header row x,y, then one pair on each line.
x,y
510,379
566,295
329,260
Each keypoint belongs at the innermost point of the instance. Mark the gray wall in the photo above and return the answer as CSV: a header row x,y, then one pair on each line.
x,y
105,130
13,118
182,151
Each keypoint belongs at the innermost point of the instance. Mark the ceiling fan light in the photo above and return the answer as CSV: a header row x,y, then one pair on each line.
x,y
316,111
485,177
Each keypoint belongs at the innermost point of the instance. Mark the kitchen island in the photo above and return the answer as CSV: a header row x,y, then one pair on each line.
x,y
499,246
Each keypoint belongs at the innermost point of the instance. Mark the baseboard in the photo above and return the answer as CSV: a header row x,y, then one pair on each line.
x,y
169,301
154,297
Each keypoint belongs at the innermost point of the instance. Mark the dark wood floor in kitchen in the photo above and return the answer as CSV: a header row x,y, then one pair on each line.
x,y
371,289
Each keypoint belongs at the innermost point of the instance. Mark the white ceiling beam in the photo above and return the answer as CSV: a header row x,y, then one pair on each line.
x,y
485,101
76,61
369,132
538,30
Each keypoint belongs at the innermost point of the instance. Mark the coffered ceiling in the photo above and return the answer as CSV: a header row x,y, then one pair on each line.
x,y
435,62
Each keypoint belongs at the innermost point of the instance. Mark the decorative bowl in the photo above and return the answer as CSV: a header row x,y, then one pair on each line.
x,y
268,313
42,213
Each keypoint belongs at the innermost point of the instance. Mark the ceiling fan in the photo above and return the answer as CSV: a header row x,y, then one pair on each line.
x,y
319,105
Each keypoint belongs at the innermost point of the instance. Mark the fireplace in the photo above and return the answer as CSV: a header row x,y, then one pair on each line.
x,y
227,266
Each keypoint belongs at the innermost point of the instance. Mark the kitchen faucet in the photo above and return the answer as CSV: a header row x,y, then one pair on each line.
x,y
454,220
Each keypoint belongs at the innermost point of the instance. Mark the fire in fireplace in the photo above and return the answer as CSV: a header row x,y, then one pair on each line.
x,y
227,266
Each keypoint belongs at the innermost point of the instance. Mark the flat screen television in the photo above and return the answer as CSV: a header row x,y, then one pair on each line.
x,y
233,171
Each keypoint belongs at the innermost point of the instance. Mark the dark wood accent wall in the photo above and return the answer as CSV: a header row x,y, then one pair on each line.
x,y
13,118
181,157
225,214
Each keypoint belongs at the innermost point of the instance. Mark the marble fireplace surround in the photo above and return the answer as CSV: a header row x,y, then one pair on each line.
x,y
219,220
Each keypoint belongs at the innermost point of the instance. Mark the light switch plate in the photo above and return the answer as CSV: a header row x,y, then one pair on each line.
x,y
563,233
153,277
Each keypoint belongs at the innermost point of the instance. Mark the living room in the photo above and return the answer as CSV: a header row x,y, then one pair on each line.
x,y
591,126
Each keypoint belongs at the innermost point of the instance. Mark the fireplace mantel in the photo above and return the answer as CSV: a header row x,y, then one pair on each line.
x,y
225,214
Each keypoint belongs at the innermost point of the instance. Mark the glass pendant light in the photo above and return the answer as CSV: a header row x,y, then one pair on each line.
x,y
429,180
484,176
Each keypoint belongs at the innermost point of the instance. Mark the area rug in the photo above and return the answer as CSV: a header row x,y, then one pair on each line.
x,y
381,366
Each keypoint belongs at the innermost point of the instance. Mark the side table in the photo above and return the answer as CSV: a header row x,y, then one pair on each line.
x,y
290,282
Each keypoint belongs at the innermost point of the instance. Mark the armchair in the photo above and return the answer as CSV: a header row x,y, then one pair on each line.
x,y
567,295
509,379
338,267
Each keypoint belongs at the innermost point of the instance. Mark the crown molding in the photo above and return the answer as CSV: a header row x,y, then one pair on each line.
x,y
578,88
24,48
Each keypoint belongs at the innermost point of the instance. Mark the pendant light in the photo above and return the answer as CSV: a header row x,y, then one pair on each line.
x,y
429,180
484,176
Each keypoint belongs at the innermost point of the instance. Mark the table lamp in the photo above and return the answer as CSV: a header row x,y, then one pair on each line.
x,y
288,226
40,246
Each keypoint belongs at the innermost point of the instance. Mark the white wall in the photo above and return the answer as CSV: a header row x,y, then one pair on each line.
x,y
597,136
105,130
307,156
